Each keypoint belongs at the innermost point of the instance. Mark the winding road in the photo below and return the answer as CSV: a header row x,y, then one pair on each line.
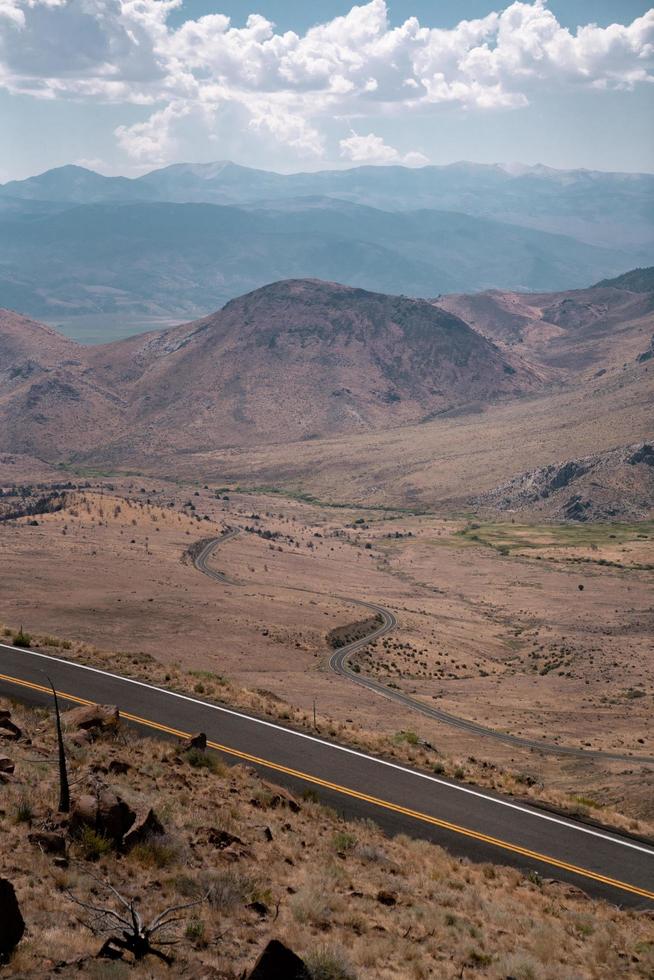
x,y
339,662
468,821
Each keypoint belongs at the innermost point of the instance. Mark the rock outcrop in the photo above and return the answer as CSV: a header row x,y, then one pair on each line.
x,y
278,961
12,924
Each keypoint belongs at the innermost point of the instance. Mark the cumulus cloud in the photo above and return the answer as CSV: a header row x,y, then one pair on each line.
x,y
292,87
372,149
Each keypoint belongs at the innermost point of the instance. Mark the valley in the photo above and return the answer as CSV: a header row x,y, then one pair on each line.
x,y
473,473
537,632
326,490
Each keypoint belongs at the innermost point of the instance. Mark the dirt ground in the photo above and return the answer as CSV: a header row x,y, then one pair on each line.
x,y
521,628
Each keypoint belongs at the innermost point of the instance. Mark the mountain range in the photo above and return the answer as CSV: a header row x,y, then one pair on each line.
x,y
181,241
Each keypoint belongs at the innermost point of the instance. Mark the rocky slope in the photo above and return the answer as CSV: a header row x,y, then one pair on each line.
x,y
610,486
247,867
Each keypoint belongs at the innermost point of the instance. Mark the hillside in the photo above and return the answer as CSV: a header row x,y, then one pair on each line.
x,y
351,395
291,361
614,485
242,862
181,260
595,329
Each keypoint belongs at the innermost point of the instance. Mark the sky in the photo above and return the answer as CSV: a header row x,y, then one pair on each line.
x,y
125,86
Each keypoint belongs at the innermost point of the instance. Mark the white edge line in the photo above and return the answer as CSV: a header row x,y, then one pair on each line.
x,y
341,748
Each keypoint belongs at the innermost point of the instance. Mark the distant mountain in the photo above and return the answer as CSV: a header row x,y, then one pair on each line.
x,y
74,185
636,281
291,361
609,209
181,260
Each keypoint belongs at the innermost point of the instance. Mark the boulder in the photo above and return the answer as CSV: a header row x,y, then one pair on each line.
x,y
8,730
94,717
146,825
48,841
281,797
197,741
12,925
278,961
221,838
81,738
6,764
106,813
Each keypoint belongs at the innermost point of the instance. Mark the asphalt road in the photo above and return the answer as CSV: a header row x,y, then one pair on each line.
x,y
466,820
339,663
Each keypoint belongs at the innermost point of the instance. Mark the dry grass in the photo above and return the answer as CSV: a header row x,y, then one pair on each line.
x,y
403,746
451,918
510,642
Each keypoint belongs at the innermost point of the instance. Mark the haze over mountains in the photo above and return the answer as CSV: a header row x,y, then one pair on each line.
x,y
181,241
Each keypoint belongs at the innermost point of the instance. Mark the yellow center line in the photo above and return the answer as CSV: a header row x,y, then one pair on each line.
x,y
355,794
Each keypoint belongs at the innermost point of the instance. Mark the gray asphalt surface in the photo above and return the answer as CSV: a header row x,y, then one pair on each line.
x,y
468,821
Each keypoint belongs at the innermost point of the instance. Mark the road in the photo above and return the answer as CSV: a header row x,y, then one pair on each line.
x,y
339,663
468,821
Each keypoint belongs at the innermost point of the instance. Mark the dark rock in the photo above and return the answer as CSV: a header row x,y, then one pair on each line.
x,y
7,728
281,797
222,838
119,767
278,962
6,764
260,908
644,454
48,841
105,813
12,925
197,741
576,509
81,738
146,825
387,898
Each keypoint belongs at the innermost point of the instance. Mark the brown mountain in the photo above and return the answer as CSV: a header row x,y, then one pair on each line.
x,y
291,361
583,330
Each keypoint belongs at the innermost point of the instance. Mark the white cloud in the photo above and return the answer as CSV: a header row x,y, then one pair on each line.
x,y
372,149
292,87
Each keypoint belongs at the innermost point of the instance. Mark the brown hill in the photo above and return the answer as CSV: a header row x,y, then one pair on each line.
x,y
28,349
50,403
290,361
584,330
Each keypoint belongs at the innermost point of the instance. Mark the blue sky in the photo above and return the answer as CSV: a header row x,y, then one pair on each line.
x,y
124,87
